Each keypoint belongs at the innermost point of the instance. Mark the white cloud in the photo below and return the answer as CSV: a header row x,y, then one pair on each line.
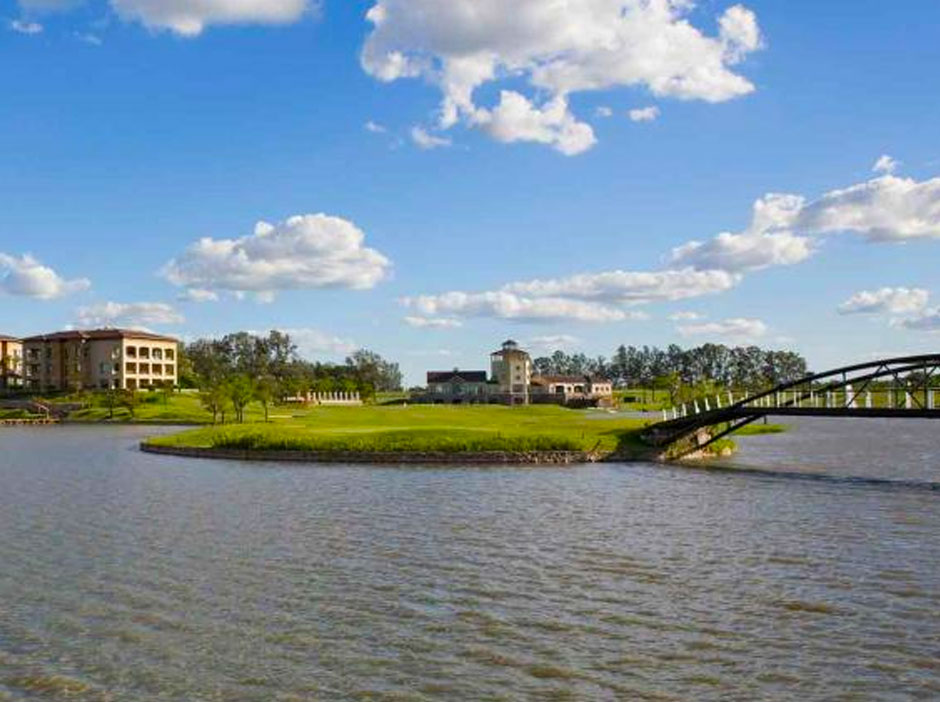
x,y
743,252
634,287
133,314
301,253
87,38
198,295
506,305
644,114
190,17
515,118
558,49
886,164
26,277
428,141
588,297
552,342
604,112
897,301
928,321
737,329
685,316
314,342
375,127
883,209
433,322
26,27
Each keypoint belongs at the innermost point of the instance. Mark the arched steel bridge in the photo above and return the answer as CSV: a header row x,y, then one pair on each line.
x,y
913,391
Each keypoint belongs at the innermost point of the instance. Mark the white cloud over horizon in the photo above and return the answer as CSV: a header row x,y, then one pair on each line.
x,y
304,252
25,276
27,27
131,314
432,322
735,329
644,114
558,49
887,300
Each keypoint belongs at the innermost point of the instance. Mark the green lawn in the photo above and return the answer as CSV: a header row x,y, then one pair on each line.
x,y
424,428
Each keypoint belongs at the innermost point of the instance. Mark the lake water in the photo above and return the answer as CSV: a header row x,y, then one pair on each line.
x,y
126,576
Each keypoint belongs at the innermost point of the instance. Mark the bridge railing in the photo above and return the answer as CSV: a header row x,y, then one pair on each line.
x,y
913,379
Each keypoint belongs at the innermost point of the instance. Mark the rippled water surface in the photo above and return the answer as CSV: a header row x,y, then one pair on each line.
x,y
128,577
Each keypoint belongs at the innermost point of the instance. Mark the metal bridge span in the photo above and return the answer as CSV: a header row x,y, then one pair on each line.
x,y
912,392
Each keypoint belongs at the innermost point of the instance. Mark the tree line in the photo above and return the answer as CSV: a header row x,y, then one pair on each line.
x,y
237,369
746,368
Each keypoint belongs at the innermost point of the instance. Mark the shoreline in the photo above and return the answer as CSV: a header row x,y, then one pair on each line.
x,y
557,458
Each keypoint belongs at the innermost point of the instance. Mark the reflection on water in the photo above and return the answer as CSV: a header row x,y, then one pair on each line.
x,y
128,577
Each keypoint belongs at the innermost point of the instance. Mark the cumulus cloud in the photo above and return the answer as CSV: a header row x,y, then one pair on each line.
x,y
928,321
25,276
506,305
189,18
375,127
888,208
684,316
132,314
633,287
589,297
736,329
551,342
644,114
743,252
315,342
515,118
766,242
427,141
783,227
26,27
304,252
557,49
885,164
897,301
198,295
433,322
604,112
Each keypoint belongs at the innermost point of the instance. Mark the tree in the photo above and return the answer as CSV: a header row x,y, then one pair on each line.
x,y
213,399
240,392
130,400
265,391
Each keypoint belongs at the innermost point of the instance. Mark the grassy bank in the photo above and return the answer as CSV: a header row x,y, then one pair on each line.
x,y
423,429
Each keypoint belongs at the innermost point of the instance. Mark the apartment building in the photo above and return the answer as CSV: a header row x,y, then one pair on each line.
x,y
11,362
99,359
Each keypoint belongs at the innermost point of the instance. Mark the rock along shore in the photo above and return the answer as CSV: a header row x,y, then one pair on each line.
x,y
418,458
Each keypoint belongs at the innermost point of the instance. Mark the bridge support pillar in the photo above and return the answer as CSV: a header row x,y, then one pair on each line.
x,y
931,400
908,400
868,404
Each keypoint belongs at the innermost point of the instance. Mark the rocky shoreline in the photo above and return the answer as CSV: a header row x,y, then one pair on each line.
x,y
398,458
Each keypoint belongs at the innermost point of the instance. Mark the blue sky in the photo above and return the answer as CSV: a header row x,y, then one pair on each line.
x,y
528,205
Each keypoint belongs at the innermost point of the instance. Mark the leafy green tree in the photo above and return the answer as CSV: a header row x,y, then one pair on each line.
x,y
130,400
265,392
240,392
213,399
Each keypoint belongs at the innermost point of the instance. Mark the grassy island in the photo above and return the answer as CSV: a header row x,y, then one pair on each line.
x,y
424,430
421,429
